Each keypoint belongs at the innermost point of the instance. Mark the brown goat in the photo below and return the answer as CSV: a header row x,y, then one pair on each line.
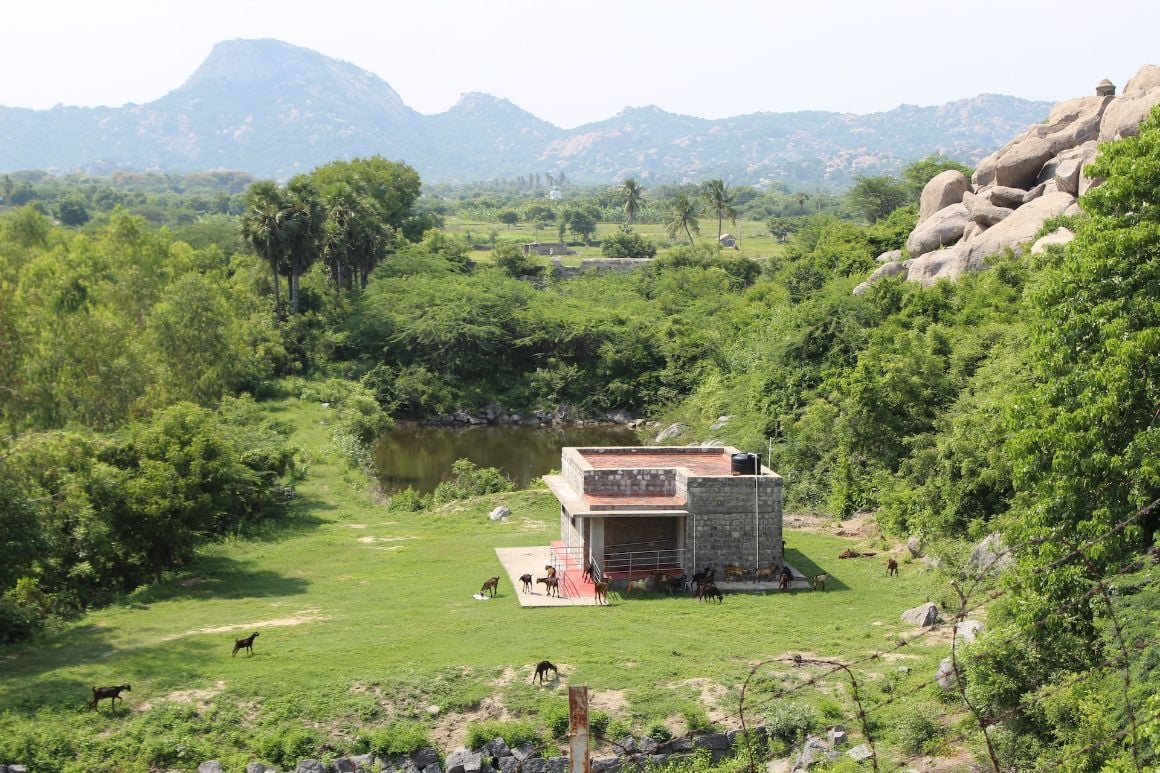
x,y
734,572
551,585
891,567
112,693
601,591
550,570
526,583
245,644
491,585
785,578
764,573
819,582
709,590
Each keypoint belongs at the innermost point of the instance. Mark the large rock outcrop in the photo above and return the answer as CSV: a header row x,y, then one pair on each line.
x,y
1014,191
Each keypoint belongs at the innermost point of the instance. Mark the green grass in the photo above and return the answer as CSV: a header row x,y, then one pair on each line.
x,y
366,616
756,241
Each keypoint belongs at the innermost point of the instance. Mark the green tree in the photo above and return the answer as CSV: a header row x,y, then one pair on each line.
x,y
267,226
720,200
683,213
802,197
876,197
306,217
71,209
509,217
918,173
633,195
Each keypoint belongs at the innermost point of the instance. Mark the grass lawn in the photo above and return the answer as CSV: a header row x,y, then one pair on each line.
x,y
366,617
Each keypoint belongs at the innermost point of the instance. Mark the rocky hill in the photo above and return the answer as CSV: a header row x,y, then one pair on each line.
x,y
273,109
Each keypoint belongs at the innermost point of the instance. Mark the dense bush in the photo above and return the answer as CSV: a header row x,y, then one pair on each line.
x,y
627,245
470,480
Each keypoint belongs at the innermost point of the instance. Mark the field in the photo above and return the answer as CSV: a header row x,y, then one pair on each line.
x,y
366,618
756,241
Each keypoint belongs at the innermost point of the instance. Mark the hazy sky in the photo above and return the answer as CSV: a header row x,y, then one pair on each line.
x,y
572,62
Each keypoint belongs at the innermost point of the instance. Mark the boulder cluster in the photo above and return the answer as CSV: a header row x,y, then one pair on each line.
x,y
1015,190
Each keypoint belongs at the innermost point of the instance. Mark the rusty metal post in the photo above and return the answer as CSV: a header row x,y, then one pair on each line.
x,y
578,729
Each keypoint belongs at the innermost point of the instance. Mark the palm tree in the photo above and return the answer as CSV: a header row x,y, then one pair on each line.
x,y
266,226
633,195
304,246
802,197
720,200
683,213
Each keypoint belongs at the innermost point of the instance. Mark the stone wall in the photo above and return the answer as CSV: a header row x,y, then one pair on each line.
x,y
724,527
627,482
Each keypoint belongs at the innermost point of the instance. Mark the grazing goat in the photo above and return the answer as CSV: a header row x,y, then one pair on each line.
x,y
491,585
819,582
764,573
640,585
551,585
734,572
785,578
542,668
526,583
891,567
601,590
245,644
112,693
709,590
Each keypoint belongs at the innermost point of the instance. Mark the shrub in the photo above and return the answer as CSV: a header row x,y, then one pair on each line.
x,y
916,731
286,746
627,245
659,731
408,501
696,720
470,480
513,733
789,721
400,737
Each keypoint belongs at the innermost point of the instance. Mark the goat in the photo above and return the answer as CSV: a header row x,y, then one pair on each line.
x,y
591,572
112,693
891,567
526,583
542,668
600,589
849,553
764,573
675,583
819,582
550,570
734,572
491,585
245,644
640,585
709,590
785,578
705,574
551,585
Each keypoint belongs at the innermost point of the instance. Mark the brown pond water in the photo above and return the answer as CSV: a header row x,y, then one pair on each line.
x,y
421,457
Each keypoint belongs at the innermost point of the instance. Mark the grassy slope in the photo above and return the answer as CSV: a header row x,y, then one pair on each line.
x,y
366,614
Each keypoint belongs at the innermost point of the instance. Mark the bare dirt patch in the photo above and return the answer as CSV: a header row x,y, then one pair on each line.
x,y
200,698
450,731
611,701
711,692
306,616
371,540
355,525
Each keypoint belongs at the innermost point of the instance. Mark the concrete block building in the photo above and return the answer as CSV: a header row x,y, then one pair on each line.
x,y
636,511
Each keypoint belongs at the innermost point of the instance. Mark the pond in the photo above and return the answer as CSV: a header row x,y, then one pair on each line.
x,y
421,457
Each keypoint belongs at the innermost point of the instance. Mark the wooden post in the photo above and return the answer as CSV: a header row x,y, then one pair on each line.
x,y
578,729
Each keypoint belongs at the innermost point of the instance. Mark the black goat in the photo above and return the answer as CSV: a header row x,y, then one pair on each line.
x,y
112,693
542,668
245,644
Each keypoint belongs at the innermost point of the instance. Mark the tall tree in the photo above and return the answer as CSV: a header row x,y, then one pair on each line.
x,y
683,213
802,197
633,194
305,243
266,225
720,200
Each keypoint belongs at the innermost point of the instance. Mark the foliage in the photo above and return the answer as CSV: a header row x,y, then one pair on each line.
x,y
469,480
876,197
627,245
790,721
398,737
515,732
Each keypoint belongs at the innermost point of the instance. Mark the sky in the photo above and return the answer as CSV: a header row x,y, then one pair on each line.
x,y
572,62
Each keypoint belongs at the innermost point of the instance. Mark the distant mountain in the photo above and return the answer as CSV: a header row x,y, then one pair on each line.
x,y
273,109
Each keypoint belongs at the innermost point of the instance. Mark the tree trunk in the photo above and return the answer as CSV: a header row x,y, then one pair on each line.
x,y
294,290
277,294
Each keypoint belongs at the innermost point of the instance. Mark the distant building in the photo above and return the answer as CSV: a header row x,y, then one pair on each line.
x,y
555,195
546,248
728,240
638,510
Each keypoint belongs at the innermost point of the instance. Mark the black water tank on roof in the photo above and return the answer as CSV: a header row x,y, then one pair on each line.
x,y
743,464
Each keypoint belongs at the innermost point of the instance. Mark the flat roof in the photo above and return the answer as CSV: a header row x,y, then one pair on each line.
x,y
709,461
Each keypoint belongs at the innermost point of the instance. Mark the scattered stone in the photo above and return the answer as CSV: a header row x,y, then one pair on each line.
x,y
648,745
814,751
941,191
256,767
984,212
670,432
363,762
499,513
524,751
343,765
945,676
893,256
990,554
619,416
556,765
721,422
1034,193
425,757
711,741
497,748
1060,235
968,630
860,753
509,765
943,228
209,766
464,761
837,736
534,765
914,545
310,766
923,615
1002,196
433,709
